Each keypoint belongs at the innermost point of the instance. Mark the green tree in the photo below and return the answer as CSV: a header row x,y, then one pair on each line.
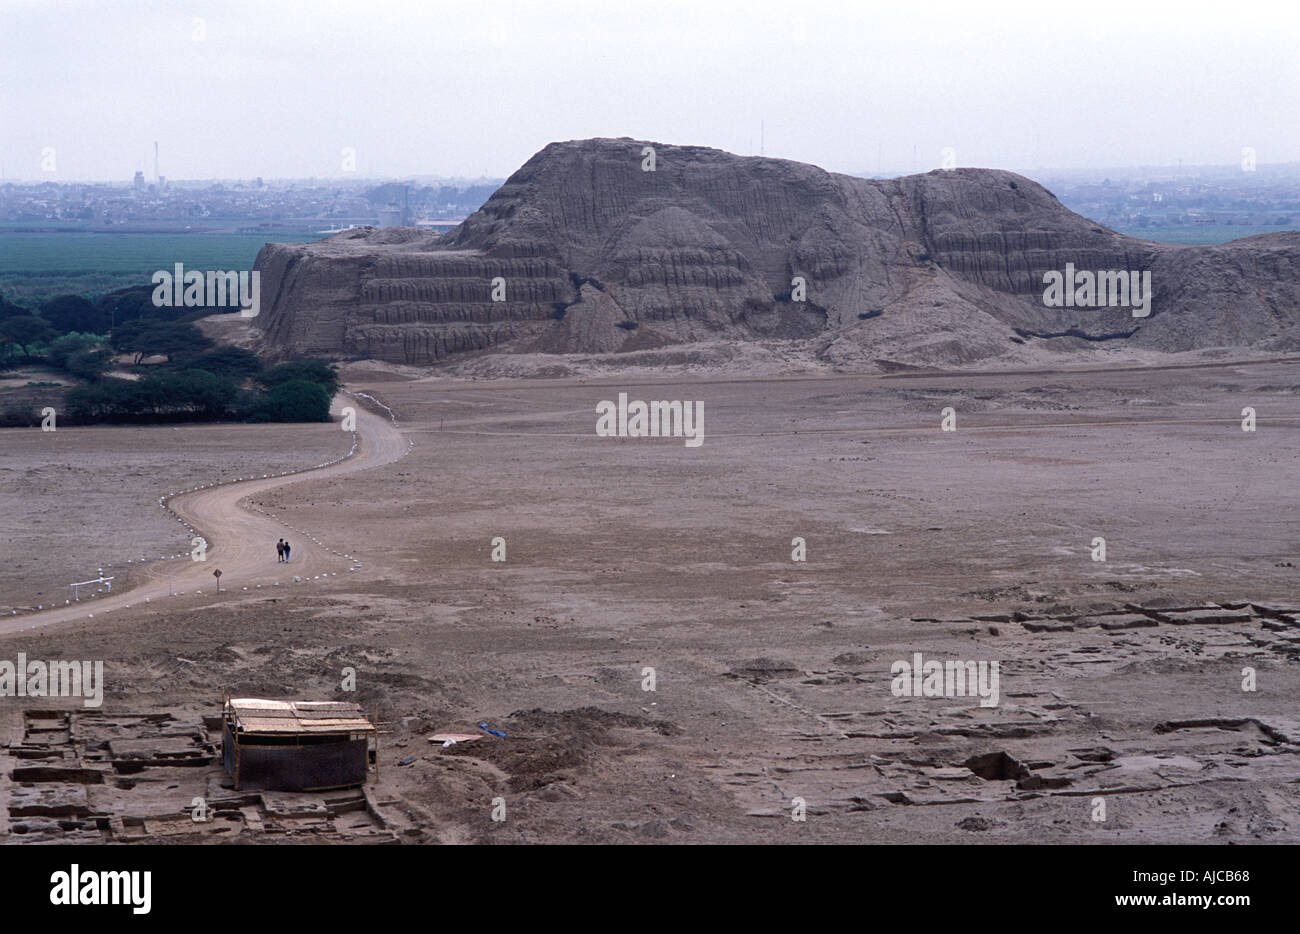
x,y
130,304
200,392
25,331
89,363
148,336
321,372
178,341
69,313
108,400
295,401
126,337
9,310
80,354
235,362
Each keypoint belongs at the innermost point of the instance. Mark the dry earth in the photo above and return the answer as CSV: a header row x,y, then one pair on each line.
x,y
80,499
772,676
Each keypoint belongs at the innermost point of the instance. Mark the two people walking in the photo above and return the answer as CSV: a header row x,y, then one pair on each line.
x,y
282,549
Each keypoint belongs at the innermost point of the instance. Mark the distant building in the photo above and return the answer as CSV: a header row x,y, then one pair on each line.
x,y
138,184
396,215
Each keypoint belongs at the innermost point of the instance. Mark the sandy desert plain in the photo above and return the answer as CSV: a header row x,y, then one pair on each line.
x,y
1121,680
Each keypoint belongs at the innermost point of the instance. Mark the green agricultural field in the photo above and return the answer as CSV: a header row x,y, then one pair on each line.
x,y
1197,233
35,267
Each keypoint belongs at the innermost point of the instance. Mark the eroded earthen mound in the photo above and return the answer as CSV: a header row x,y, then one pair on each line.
x,y
598,256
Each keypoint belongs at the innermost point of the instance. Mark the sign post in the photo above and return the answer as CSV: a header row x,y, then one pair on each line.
x,y
101,579
216,572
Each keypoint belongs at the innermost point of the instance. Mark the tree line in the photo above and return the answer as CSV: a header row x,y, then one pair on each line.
x,y
175,372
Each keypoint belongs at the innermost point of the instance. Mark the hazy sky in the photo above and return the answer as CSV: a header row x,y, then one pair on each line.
x,y
279,89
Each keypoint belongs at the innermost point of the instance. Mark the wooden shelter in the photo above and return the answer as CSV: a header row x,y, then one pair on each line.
x,y
277,745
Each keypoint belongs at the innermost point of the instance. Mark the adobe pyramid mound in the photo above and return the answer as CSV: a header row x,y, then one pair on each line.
x,y
598,255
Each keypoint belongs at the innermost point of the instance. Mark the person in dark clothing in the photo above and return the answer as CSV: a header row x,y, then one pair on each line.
x,y
286,552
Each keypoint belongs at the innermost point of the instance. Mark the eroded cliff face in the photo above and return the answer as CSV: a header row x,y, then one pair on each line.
x,y
592,254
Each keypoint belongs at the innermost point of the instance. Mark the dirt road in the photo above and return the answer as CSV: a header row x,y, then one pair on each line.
x,y
240,542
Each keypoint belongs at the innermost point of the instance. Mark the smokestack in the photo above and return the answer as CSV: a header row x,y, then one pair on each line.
x,y
156,178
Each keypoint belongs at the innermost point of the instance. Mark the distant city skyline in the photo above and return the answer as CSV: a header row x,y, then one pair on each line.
x,y
240,89
1152,197
1189,169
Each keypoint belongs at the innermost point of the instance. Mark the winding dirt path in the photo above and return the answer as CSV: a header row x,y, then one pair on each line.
x,y
241,542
